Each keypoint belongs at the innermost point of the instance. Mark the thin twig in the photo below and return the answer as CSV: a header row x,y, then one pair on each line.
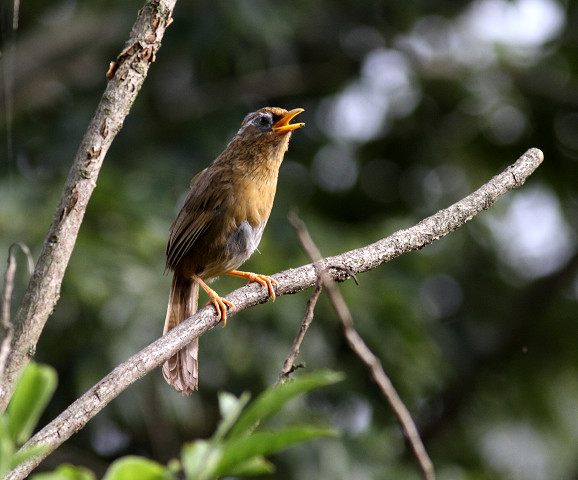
x,y
288,366
8,329
361,349
8,288
290,281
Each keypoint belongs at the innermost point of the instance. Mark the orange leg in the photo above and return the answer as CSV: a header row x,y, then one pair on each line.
x,y
219,302
264,280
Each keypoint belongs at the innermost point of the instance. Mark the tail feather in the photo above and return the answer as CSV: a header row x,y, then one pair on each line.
x,y
182,370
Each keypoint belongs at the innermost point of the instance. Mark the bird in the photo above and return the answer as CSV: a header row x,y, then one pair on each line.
x,y
220,225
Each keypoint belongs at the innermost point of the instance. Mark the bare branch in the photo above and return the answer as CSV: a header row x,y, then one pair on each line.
x,y
361,349
290,281
126,77
288,366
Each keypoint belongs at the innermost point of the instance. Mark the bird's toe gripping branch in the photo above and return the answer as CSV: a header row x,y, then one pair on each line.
x,y
264,280
219,302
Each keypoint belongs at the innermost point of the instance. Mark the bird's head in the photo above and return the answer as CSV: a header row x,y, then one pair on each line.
x,y
269,125
260,144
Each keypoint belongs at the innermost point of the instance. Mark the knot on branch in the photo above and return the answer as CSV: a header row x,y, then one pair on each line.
x,y
139,54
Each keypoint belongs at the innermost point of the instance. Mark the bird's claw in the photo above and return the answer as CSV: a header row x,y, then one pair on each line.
x,y
264,280
221,305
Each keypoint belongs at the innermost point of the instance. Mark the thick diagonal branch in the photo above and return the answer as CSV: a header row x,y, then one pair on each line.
x,y
126,77
339,267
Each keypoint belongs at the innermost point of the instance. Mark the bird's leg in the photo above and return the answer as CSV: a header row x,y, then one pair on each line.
x,y
264,280
219,302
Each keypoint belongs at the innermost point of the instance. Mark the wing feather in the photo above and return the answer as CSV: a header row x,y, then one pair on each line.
x,y
198,214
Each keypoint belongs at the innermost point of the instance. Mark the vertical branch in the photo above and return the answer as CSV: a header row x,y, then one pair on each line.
x,y
126,77
361,349
7,289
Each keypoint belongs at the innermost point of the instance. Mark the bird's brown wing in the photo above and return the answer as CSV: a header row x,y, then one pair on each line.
x,y
200,211
184,235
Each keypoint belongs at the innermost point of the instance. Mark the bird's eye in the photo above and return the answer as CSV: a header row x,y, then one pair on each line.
x,y
264,121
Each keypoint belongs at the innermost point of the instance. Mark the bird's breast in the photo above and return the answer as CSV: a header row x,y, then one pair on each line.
x,y
250,210
252,199
243,242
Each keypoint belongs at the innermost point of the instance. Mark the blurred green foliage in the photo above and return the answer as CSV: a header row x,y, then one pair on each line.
x,y
409,106
238,446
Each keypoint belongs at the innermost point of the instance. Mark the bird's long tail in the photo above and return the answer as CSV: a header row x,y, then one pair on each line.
x,y
182,370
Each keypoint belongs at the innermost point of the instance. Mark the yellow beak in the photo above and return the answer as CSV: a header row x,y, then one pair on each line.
x,y
283,125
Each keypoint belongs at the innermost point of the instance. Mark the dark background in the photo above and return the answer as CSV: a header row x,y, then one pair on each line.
x,y
409,107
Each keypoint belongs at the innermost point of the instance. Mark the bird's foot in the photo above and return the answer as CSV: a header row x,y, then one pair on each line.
x,y
219,302
221,305
264,280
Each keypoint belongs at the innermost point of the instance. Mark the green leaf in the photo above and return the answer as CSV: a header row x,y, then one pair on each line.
x,y
241,453
256,465
174,467
200,459
25,454
273,399
136,468
241,450
230,408
34,390
66,472
6,452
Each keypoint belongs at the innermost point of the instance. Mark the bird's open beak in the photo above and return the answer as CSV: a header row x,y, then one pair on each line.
x,y
283,125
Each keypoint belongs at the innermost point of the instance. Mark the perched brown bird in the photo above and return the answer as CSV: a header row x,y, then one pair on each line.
x,y
220,226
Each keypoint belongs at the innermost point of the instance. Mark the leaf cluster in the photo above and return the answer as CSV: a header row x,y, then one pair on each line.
x,y
237,448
